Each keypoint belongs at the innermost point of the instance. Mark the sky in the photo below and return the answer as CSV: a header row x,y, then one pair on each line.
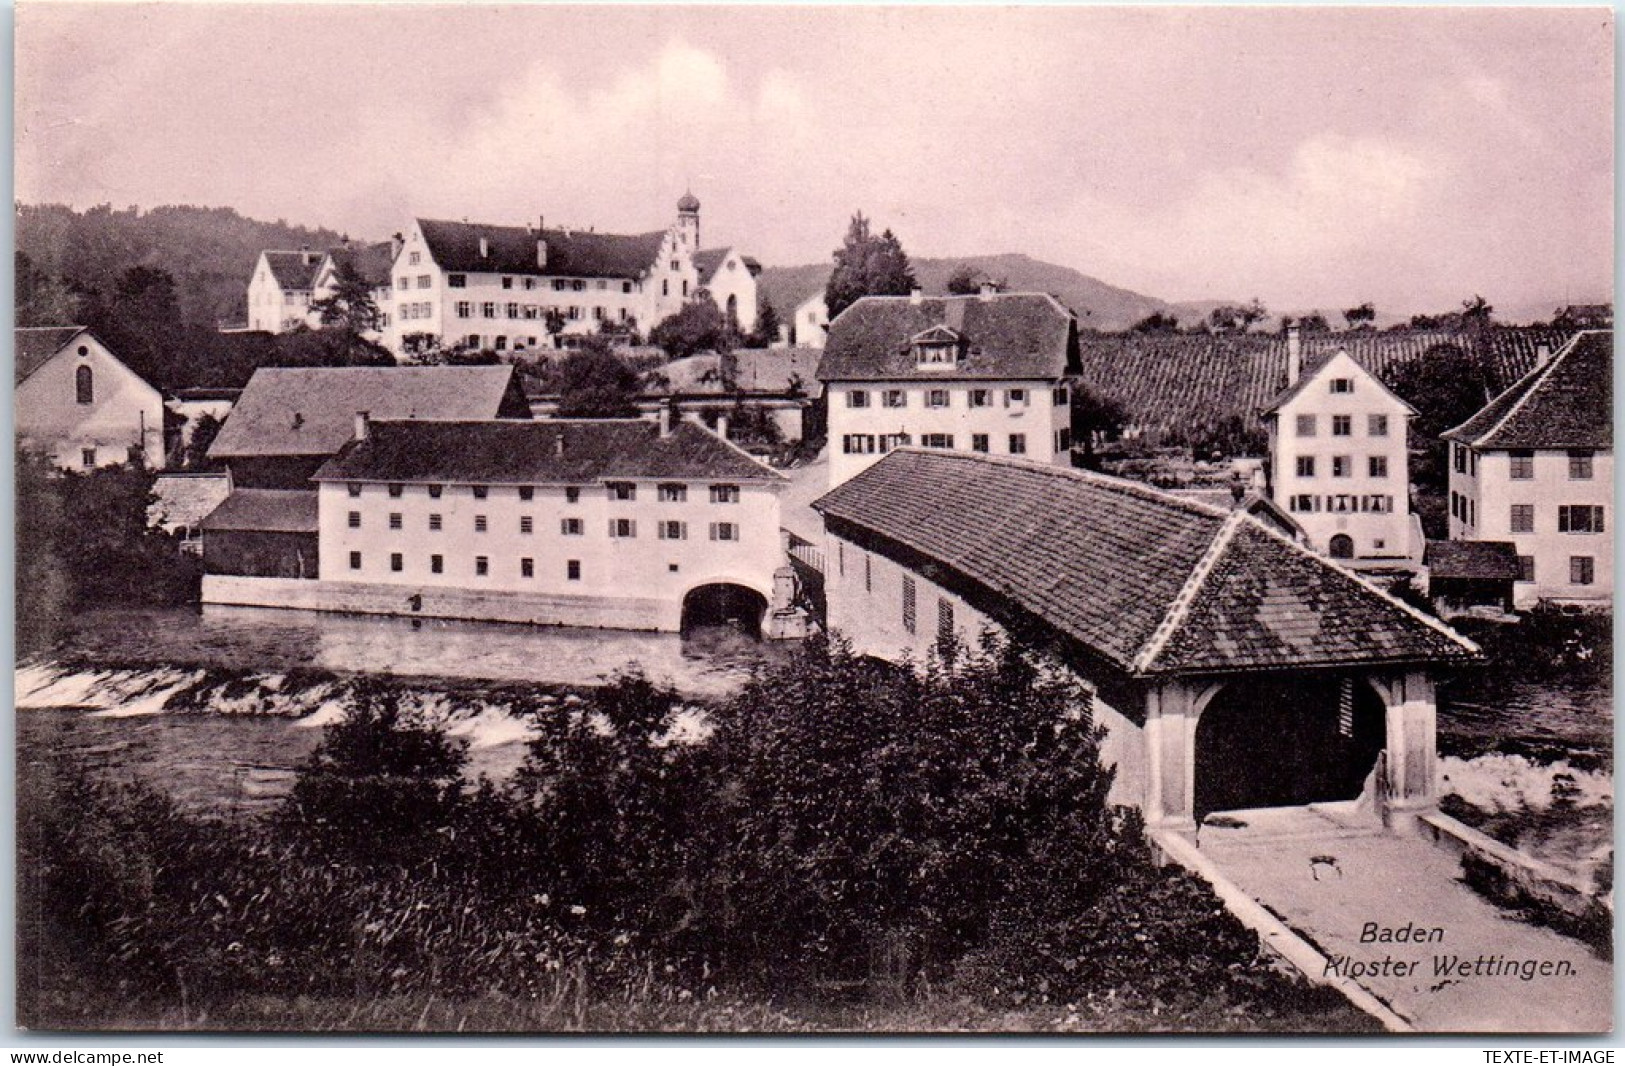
x,y
1310,157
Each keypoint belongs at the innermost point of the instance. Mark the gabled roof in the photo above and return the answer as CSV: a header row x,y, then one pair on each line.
x,y
1153,584
540,452
761,370
372,262
1309,377
1481,560
707,261
1565,404
293,270
455,246
36,345
311,411
265,511
1023,336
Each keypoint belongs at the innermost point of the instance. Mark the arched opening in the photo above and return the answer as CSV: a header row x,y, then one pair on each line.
x,y
723,606
733,311
1342,546
1287,742
84,385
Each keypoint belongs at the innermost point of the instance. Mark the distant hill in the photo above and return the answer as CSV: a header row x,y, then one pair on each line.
x,y
210,251
1097,304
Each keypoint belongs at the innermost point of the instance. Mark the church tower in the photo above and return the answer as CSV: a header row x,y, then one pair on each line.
x,y
688,222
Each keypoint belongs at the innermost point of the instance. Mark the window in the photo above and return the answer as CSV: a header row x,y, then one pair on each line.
x,y
403,283
355,560
87,457
889,441
396,563
1342,426
1580,465
355,491
857,398
479,523
507,283
572,570
894,398
622,490
978,442
488,309
396,490
1306,466
945,622
937,440
1377,466
1341,466
569,527
512,309
1306,425
414,258
1063,440
355,519
1059,396
482,565
435,491
527,524
434,523
669,530
1376,425
437,564
724,493
456,281
1522,519
1342,385
394,520
1304,503
1460,454
1015,397
1523,464
936,397
858,444
1018,444
481,492
1582,570
1342,504
724,531
1379,504
621,528
425,281
84,385
527,568
1579,518
673,493
572,495
1526,568
908,604
527,492
981,398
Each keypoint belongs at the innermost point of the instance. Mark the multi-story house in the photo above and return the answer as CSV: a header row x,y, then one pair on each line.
x,y
77,404
1535,468
371,263
988,373
1338,462
462,284
280,290
627,524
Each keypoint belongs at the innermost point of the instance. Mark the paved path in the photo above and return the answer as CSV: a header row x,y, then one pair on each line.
x,y
1393,914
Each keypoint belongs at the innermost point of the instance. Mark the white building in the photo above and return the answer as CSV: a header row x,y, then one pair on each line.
x,y
474,285
371,263
280,290
1339,464
625,524
79,405
729,278
987,374
1535,468
809,322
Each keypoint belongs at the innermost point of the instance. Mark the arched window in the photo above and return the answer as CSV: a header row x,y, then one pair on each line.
x,y
733,310
1342,546
84,386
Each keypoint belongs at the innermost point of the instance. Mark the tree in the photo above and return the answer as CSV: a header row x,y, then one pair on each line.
x,y
350,306
1157,322
1446,386
866,265
1095,418
197,446
1314,323
1237,318
1477,312
43,300
698,326
595,383
767,328
1363,315
328,347
964,281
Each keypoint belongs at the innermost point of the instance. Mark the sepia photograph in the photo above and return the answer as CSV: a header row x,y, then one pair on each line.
x,y
794,520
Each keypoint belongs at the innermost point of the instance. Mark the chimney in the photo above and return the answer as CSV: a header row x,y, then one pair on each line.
x,y
485,248
558,444
915,295
363,425
1543,355
396,243
722,426
668,418
1294,354
541,252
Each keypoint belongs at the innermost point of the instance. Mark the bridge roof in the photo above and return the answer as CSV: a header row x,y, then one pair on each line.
x,y
1154,584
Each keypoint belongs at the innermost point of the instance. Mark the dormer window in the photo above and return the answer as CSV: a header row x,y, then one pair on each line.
x,y
937,348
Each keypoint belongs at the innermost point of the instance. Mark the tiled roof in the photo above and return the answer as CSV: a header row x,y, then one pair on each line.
x,y
512,250
1308,376
707,261
767,370
1177,381
1024,336
265,511
186,499
1565,404
540,452
371,261
1494,560
36,344
1152,583
311,411
294,270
